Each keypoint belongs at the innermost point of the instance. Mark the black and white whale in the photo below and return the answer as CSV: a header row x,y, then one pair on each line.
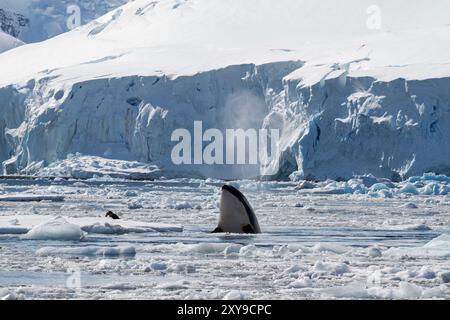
x,y
236,213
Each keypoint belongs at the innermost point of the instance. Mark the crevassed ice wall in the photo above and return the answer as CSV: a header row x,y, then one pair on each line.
x,y
335,128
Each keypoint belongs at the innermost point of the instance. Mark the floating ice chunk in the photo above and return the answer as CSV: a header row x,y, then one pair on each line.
x,y
181,267
280,251
431,201
426,273
375,278
156,266
404,275
330,247
301,283
299,250
385,194
232,250
293,269
234,295
379,186
434,293
80,184
441,242
438,247
131,193
332,191
409,189
409,205
105,264
107,228
87,251
444,190
405,291
305,185
430,177
331,268
445,276
270,204
55,229
208,248
6,295
186,205
248,251
135,205
431,189
178,285
381,194
14,222
408,291
374,252
370,180
354,291
55,189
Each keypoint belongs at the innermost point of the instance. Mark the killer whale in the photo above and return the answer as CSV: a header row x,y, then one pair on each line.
x,y
236,213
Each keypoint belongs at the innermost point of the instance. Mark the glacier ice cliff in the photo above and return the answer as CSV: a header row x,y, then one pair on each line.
x,y
355,126
335,128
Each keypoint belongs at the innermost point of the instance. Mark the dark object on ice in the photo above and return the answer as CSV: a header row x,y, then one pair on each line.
x,y
236,213
217,230
112,215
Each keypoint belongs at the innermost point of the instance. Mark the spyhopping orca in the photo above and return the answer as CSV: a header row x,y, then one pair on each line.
x,y
112,215
236,214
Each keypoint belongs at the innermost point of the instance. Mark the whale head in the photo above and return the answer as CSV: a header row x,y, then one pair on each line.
x,y
236,213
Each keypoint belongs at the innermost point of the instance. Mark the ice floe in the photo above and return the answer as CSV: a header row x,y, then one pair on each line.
x,y
41,227
438,247
429,184
55,229
331,268
87,251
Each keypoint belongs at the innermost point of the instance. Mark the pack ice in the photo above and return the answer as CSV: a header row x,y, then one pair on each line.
x,y
350,97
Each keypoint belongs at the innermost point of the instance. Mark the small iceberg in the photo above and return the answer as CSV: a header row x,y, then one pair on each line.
x,y
55,229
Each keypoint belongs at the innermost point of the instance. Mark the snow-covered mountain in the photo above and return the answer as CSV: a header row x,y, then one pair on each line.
x,y
12,23
38,20
354,88
7,42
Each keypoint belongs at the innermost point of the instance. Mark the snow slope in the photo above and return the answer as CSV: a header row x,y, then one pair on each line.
x,y
7,42
34,21
338,90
